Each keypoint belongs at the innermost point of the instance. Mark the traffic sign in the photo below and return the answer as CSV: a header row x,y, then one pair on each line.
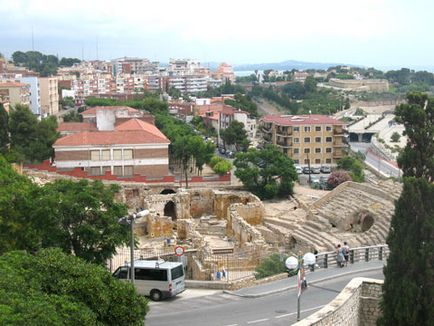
x,y
179,251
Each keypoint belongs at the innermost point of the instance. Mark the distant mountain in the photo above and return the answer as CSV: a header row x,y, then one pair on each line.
x,y
288,65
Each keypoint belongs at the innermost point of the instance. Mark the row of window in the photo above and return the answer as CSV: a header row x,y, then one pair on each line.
x,y
317,161
317,140
120,171
105,154
317,150
308,128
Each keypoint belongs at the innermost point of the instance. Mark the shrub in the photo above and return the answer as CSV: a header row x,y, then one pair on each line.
x,y
222,167
274,264
338,177
395,137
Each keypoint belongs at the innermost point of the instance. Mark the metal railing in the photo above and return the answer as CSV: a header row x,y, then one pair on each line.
x,y
359,254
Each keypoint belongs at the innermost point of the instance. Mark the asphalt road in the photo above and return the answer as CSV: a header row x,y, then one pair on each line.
x,y
230,310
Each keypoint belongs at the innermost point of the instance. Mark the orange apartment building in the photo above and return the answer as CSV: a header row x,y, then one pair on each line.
x,y
315,139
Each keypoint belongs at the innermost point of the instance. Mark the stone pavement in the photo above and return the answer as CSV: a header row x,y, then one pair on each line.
x,y
317,276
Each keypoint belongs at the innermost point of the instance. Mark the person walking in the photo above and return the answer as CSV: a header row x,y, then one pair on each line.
x,y
339,256
346,252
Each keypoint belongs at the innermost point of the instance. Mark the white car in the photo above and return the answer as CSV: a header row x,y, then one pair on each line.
x,y
299,169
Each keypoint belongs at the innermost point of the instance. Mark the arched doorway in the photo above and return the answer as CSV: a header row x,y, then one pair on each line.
x,y
367,223
167,191
170,210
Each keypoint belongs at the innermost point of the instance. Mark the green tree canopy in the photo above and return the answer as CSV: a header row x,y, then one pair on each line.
x,y
53,288
4,130
267,173
235,134
408,289
354,166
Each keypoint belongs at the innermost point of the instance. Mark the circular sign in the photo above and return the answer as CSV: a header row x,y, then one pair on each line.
x,y
309,259
179,251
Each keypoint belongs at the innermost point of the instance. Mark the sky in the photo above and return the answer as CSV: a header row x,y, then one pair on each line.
x,y
377,33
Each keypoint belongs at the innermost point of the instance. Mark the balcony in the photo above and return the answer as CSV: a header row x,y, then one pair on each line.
x,y
338,131
284,143
339,143
284,131
266,128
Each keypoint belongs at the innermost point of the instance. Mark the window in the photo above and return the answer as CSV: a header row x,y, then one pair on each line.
x,y
328,150
121,273
328,160
307,150
296,129
117,154
328,139
94,155
296,161
317,150
306,161
328,128
105,155
317,139
128,170
117,170
150,274
296,140
317,161
306,129
128,154
318,128
177,272
95,170
106,169
296,150
307,139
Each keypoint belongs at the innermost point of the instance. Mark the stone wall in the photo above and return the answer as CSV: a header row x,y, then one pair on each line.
x,y
356,305
252,213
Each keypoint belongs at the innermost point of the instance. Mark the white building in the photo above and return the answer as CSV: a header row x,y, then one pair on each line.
x,y
35,93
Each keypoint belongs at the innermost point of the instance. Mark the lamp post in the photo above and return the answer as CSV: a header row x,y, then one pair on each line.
x,y
129,220
298,263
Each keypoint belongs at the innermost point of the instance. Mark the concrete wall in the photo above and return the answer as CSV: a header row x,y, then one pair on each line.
x,y
356,305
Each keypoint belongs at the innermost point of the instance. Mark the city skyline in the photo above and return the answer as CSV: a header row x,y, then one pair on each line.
x,y
383,34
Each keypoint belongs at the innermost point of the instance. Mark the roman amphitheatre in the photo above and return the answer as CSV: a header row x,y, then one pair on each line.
x,y
233,229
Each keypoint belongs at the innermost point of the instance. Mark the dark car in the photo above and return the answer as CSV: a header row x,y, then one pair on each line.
x,y
307,170
325,169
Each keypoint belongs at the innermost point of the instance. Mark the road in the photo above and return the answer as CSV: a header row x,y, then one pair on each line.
x,y
229,310
376,162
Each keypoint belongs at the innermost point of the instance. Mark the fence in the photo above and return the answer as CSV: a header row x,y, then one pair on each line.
x,y
365,254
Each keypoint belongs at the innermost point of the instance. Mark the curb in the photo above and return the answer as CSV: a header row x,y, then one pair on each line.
x,y
263,294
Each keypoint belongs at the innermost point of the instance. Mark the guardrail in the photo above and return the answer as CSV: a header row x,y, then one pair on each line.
x,y
359,254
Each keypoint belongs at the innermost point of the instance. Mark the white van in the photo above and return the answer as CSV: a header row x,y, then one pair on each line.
x,y
155,278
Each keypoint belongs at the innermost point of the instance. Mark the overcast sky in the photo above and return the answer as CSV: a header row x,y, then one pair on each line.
x,y
380,33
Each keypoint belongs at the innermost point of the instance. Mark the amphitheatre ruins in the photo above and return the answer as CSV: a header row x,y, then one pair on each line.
x,y
233,229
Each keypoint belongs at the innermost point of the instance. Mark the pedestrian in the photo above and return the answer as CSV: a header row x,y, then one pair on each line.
x,y
346,252
339,256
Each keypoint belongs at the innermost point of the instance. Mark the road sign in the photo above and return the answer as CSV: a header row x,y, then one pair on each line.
x,y
179,251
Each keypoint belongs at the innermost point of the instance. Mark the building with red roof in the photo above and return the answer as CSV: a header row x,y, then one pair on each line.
x,y
112,142
308,139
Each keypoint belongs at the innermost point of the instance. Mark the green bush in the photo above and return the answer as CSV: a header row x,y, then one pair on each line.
x,y
274,264
222,167
214,160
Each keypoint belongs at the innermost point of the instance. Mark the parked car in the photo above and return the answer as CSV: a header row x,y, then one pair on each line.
x,y
222,150
299,169
307,170
325,169
230,154
316,170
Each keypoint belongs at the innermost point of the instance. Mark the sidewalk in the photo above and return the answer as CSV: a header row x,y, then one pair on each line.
x,y
318,275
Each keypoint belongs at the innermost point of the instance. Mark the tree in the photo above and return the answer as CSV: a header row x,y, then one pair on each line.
x,y
53,288
338,177
235,134
395,137
72,116
30,138
203,153
354,166
183,149
81,218
310,84
222,167
409,274
4,130
267,173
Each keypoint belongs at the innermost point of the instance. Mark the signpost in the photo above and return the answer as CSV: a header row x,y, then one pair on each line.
x,y
179,251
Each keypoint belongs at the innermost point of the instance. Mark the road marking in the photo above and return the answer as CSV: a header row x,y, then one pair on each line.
x,y
257,321
293,313
232,325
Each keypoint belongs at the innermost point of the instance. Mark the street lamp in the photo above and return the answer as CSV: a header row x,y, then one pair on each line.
x,y
129,220
294,263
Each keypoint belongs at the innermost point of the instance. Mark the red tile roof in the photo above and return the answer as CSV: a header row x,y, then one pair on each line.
x,y
92,111
76,126
308,119
137,124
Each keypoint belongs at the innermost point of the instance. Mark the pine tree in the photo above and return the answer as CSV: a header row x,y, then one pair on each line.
x,y
4,130
408,289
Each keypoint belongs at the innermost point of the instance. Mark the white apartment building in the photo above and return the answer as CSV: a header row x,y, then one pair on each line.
x,y
49,95
35,94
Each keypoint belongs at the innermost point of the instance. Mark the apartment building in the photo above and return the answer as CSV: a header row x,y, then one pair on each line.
x,y
15,92
35,93
188,84
307,139
49,93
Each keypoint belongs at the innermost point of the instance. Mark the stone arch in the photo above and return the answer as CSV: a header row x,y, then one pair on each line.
x,y
167,191
170,210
